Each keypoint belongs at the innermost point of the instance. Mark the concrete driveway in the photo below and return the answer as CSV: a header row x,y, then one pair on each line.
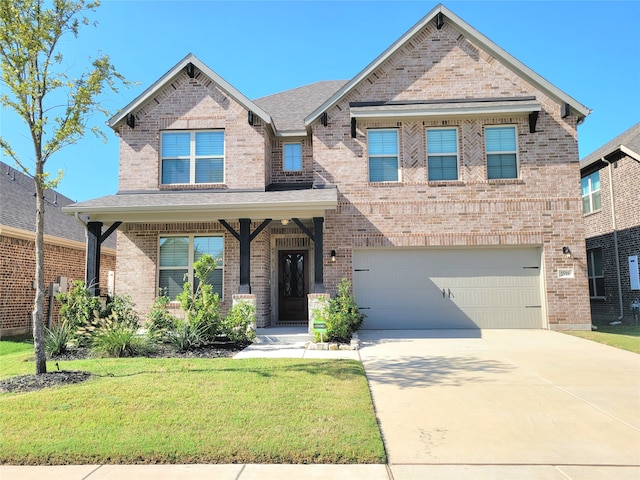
x,y
504,404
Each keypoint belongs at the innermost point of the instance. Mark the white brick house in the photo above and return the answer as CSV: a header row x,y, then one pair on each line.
x,y
443,180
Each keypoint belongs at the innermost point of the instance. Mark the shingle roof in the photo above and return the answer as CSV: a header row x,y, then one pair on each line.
x,y
289,108
628,142
18,208
199,205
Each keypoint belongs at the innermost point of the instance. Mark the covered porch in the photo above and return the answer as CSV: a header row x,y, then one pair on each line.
x,y
273,249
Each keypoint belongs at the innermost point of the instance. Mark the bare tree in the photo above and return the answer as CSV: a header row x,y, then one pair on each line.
x,y
35,83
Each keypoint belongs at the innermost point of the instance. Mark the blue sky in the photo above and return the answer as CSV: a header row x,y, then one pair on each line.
x,y
588,49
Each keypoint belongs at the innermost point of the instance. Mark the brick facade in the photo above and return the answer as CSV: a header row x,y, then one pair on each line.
x,y
17,271
541,208
625,175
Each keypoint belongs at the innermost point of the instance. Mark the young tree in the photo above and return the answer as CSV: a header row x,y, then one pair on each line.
x,y
54,106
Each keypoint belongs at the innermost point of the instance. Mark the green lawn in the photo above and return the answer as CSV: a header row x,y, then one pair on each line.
x,y
191,411
626,337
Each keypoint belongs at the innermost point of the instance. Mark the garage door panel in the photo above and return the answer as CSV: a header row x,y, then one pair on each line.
x,y
483,288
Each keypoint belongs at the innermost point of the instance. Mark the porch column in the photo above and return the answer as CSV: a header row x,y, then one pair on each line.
x,y
318,260
245,255
92,278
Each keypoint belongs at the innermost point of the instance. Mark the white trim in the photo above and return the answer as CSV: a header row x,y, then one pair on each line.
x,y
502,152
456,128
190,254
284,169
396,130
446,110
479,39
193,158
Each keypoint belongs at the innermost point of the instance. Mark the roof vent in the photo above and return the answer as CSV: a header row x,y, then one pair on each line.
x,y
191,70
439,20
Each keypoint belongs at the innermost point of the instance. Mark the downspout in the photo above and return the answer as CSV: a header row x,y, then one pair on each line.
x,y
615,238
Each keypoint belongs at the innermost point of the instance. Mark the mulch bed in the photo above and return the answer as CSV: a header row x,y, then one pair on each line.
x,y
29,383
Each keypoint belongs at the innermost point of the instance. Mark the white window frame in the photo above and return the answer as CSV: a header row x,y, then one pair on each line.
x,y
193,157
591,193
384,155
284,157
191,257
502,152
457,153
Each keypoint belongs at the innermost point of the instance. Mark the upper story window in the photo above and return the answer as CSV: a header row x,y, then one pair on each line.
x,y
292,161
591,200
442,154
192,157
383,155
178,254
502,152
595,273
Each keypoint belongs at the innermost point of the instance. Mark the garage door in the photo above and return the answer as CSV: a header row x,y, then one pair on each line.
x,y
407,288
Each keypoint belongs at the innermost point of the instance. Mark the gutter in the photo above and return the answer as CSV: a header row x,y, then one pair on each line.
x,y
615,238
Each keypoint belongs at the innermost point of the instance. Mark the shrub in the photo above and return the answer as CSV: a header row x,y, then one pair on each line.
x,y
78,306
341,315
56,339
202,306
238,325
160,321
186,335
116,338
121,308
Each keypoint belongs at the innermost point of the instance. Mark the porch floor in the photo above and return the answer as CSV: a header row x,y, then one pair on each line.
x,y
283,335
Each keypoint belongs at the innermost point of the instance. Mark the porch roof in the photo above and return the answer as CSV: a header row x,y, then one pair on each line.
x,y
205,205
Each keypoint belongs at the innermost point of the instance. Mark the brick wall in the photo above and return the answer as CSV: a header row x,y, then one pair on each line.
x,y
184,105
625,174
542,207
17,272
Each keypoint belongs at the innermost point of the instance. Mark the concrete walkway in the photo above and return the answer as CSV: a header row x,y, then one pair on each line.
x,y
490,405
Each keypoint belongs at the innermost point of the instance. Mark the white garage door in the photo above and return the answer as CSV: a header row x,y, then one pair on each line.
x,y
413,288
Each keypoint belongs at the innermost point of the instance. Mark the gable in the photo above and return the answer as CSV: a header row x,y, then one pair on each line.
x,y
407,57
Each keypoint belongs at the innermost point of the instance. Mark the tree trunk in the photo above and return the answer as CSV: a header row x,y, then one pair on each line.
x,y
38,309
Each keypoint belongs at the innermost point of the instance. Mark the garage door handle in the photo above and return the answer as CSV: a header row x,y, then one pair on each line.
x,y
444,295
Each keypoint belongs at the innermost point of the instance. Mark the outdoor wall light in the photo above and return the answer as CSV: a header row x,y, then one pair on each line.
x,y
333,255
284,222
566,251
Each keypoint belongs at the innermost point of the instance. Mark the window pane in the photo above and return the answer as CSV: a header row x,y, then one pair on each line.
x,y
214,279
293,156
597,262
383,169
209,170
176,144
443,168
501,139
501,166
174,251
210,143
175,171
442,141
596,201
213,246
599,287
171,282
595,181
585,184
383,142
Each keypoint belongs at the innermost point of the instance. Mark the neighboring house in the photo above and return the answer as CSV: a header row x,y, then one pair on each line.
x,y
64,249
611,207
441,179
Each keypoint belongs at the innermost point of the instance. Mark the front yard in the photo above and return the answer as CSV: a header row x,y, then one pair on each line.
x,y
626,337
177,410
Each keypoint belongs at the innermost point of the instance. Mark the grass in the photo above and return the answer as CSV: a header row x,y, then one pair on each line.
x,y
145,410
626,337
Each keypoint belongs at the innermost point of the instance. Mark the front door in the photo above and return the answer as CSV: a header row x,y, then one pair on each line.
x,y
293,285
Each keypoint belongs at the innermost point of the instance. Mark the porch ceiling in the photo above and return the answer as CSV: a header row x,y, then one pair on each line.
x,y
205,206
